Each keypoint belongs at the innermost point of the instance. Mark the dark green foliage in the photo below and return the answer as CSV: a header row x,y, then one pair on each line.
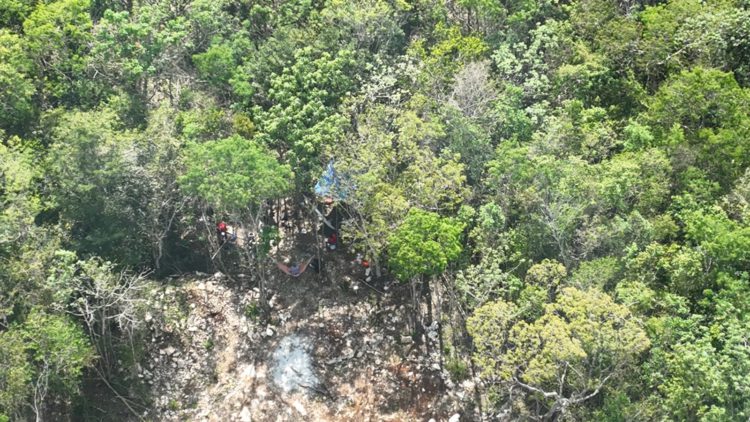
x,y
98,186
16,84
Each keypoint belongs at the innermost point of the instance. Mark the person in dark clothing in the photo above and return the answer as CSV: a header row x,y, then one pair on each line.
x,y
316,265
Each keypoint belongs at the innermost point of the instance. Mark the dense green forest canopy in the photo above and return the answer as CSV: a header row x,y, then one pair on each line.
x,y
577,172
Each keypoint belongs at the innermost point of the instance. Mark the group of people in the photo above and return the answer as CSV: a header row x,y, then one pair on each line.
x,y
226,233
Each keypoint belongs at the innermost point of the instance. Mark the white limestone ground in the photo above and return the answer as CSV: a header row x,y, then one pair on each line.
x,y
325,355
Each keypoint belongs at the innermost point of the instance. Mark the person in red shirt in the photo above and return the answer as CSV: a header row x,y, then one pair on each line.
x,y
221,231
332,241
368,270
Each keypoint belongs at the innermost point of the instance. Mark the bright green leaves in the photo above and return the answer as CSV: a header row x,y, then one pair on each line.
x,y
725,241
15,373
216,65
424,244
575,207
698,99
532,65
686,33
374,25
57,345
59,38
303,97
453,45
678,269
737,202
580,342
201,124
637,181
554,142
490,327
579,131
147,47
442,59
395,166
702,117
695,379
233,174
700,366
121,49
18,201
14,12
547,275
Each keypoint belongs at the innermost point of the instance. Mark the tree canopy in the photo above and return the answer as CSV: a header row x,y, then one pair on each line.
x,y
233,173
567,181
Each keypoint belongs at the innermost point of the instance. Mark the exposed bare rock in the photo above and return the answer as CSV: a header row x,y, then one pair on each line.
x,y
327,354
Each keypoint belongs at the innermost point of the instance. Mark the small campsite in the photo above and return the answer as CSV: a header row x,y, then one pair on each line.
x,y
329,351
333,340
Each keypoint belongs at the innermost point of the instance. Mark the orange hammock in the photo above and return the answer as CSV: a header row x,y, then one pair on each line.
x,y
295,270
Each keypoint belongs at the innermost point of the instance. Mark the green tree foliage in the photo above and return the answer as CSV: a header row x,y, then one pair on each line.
x,y
304,97
98,185
699,115
216,65
59,36
582,341
424,244
15,374
682,34
59,347
395,163
19,200
25,249
14,12
50,355
233,174
16,84
573,176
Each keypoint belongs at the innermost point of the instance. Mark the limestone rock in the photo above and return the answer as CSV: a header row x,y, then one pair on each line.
x,y
245,415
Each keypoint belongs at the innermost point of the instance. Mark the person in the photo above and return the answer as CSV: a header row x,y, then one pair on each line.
x,y
231,234
316,265
294,270
331,241
221,231
368,270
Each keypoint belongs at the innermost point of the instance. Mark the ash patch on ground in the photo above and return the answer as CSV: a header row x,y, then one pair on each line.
x,y
292,364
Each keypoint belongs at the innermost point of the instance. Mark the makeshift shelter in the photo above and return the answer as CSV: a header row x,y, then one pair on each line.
x,y
331,221
333,186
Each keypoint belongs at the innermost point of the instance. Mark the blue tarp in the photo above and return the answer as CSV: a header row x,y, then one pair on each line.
x,y
333,185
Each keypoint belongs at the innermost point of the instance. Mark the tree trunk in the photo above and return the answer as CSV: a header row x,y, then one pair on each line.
x,y
416,307
427,293
260,263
